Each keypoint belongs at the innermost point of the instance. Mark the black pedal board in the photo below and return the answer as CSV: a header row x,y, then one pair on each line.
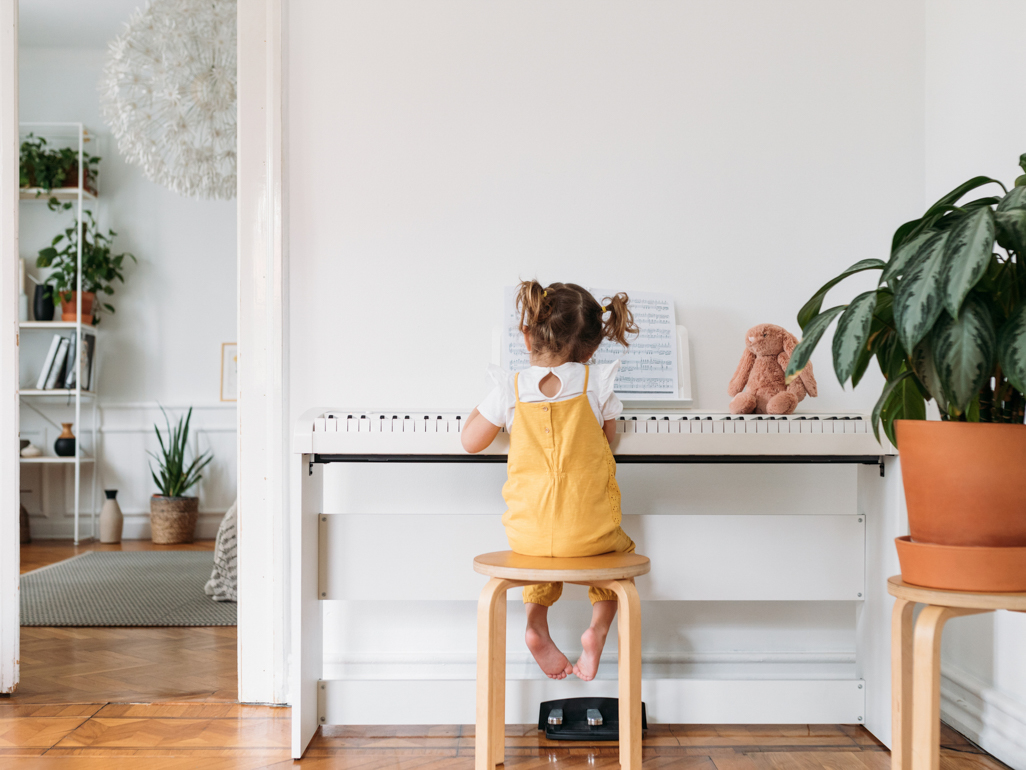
x,y
583,719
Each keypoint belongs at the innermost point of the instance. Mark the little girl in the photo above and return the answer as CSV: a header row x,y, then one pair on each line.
x,y
561,490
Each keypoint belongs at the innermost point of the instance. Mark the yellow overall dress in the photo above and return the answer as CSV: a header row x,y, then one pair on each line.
x,y
561,493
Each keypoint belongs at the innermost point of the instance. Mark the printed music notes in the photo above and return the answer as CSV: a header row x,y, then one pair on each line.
x,y
648,367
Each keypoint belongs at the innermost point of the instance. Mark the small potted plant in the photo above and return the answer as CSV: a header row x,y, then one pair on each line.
x,y
947,322
47,168
101,267
173,515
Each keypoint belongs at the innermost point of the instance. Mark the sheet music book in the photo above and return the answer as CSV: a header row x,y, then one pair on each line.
x,y
648,367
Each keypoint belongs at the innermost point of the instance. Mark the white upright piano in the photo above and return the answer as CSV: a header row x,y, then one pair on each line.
x,y
770,540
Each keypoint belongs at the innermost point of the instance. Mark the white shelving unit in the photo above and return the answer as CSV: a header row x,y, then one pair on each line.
x,y
73,135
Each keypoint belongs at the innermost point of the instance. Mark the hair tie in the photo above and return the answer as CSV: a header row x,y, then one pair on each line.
x,y
603,308
545,293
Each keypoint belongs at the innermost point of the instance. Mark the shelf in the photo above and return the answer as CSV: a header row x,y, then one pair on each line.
x,y
49,460
55,392
60,193
56,325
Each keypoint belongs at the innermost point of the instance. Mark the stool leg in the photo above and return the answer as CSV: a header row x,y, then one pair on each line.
x,y
491,675
629,671
901,685
926,684
499,680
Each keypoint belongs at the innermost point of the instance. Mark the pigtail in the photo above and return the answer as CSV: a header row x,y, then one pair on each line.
x,y
620,322
530,298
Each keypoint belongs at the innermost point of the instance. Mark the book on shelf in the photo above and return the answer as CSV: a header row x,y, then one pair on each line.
x,y
86,353
57,366
67,380
48,362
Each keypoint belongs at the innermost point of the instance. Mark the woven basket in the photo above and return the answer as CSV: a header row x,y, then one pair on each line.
x,y
173,519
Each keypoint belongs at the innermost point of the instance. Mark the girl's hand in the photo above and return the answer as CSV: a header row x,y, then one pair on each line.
x,y
477,433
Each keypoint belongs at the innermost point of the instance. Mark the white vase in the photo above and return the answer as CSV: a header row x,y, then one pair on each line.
x,y
111,518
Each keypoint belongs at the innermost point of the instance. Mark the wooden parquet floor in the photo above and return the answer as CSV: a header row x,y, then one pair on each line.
x,y
111,698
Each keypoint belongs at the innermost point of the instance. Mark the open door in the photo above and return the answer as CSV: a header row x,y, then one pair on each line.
x,y
9,468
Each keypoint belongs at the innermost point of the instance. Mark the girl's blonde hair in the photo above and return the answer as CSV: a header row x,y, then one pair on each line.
x,y
566,321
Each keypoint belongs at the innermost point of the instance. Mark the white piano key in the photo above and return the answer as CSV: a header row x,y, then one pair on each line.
x,y
319,425
331,425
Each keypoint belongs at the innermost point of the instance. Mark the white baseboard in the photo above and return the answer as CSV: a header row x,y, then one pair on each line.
x,y
985,715
136,527
689,701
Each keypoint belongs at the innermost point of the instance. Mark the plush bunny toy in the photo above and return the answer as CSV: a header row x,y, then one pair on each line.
x,y
768,348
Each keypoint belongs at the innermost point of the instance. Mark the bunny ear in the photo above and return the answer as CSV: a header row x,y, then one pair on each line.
x,y
808,379
740,378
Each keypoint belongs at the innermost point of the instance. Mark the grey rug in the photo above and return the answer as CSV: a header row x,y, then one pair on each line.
x,y
124,588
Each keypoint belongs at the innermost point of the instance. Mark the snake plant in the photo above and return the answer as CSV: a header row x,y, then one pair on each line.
x,y
947,320
175,477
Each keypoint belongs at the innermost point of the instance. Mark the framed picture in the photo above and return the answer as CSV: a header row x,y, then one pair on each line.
x,y
229,370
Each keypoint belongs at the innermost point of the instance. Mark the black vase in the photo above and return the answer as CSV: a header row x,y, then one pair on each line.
x,y
42,303
64,446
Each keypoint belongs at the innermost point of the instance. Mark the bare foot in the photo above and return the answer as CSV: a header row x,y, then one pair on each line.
x,y
587,665
547,654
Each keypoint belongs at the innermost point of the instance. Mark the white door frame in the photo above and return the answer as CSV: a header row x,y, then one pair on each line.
x,y
263,356
263,410
10,470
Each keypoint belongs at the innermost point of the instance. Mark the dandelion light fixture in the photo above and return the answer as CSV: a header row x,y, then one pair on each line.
x,y
168,95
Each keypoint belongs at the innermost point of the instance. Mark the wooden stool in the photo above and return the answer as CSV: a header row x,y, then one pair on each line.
x,y
915,665
614,571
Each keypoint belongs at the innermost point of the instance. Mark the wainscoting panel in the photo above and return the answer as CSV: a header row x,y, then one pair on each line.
x,y
700,558
125,434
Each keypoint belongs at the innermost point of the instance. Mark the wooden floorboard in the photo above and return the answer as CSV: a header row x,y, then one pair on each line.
x,y
111,698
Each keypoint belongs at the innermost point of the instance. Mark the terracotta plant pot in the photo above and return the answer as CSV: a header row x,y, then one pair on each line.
x,y
173,519
966,494
68,306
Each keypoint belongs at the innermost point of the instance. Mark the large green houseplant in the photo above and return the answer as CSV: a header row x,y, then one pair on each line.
x,y
101,267
947,322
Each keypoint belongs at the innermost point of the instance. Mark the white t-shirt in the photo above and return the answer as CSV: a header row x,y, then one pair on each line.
x,y
499,406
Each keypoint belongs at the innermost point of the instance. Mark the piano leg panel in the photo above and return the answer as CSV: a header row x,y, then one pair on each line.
x,y
307,625
882,503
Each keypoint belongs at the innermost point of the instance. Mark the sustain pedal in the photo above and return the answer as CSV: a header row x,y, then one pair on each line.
x,y
583,719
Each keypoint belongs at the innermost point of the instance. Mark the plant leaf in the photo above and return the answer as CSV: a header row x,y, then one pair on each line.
x,y
953,196
878,408
811,308
1011,350
852,334
963,352
966,256
905,403
917,301
813,332
926,370
1011,229
901,257
1015,199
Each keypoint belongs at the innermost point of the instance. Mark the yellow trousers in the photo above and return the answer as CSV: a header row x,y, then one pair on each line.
x,y
548,594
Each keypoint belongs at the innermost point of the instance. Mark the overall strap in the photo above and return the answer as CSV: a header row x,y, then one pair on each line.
x,y
516,386
587,369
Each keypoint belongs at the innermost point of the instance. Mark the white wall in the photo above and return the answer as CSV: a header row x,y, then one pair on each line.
x,y
973,128
734,154
174,310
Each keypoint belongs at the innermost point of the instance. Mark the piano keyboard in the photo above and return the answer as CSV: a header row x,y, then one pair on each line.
x,y
409,436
